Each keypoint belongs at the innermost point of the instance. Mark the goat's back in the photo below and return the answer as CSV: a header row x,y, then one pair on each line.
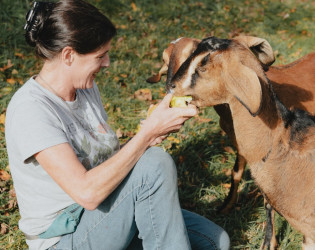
x,y
294,83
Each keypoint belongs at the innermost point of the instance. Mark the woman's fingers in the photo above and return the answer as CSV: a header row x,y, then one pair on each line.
x,y
190,111
167,100
163,120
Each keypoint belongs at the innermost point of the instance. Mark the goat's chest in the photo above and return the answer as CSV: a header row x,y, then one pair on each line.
x,y
284,181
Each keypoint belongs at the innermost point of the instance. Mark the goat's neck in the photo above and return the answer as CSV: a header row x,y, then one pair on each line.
x,y
255,135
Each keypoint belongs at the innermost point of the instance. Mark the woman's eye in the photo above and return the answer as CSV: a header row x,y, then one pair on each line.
x,y
103,55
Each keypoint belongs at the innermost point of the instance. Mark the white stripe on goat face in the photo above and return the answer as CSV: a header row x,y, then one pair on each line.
x,y
192,69
175,41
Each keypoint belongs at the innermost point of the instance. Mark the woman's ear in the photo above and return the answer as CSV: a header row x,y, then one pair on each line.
x,y
67,55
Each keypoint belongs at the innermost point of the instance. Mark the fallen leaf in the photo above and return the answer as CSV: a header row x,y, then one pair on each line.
x,y
18,54
143,95
227,185
120,39
4,175
162,93
229,150
6,90
290,45
3,228
12,203
11,81
133,6
181,159
173,139
227,171
2,119
203,120
12,193
119,134
9,65
223,160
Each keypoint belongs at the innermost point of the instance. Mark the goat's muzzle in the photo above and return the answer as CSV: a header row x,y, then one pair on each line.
x,y
170,86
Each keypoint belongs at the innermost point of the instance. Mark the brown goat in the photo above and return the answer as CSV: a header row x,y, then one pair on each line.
x,y
293,85
278,143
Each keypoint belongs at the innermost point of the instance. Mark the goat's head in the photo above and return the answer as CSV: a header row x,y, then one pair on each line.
x,y
173,56
221,69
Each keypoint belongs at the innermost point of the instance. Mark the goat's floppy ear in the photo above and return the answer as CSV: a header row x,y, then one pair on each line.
x,y
156,78
260,47
166,59
244,85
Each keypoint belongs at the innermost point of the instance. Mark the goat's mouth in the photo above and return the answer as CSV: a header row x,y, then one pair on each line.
x,y
192,98
196,101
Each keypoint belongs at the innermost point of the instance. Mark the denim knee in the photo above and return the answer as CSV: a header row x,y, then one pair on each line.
x,y
224,241
156,163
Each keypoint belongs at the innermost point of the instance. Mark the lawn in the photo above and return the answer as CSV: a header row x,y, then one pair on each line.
x,y
203,153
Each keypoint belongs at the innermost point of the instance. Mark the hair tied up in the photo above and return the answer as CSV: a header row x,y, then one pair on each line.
x,y
32,21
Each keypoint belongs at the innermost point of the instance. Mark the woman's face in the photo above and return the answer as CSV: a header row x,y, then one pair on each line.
x,y
85,67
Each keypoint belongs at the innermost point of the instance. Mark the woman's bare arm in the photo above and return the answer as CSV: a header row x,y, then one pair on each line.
x,y
90,188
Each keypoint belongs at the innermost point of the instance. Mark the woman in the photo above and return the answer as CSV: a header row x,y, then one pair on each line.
x,y
76,188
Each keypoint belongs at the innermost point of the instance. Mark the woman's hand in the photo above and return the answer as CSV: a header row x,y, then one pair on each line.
x,y
164,120
90,188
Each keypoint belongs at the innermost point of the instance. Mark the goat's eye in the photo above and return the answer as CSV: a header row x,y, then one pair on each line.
x,y
201,69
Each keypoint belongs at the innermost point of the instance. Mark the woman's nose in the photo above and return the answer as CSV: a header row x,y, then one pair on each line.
x,y
106,61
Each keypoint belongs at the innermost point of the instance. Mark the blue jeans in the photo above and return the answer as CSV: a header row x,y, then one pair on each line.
x,y
144,213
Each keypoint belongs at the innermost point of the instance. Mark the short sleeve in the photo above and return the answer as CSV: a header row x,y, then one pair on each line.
x,y
34,127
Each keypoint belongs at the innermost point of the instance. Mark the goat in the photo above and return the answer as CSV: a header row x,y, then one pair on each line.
x,y
278,143
287,85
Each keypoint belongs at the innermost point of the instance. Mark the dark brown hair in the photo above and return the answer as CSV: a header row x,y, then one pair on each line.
x,y
51,27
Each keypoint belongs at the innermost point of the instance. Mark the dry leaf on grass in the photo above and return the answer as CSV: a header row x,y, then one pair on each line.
x,y
229,150
3,228
173,139
11,81
119,134
227,171
133,6
4,175
143,95
2,119
5,67
227,185
12,203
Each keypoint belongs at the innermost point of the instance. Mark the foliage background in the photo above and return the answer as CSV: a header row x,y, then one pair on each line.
x,y
203,153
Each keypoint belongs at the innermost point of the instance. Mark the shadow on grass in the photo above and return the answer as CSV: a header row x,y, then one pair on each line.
x,y
204,184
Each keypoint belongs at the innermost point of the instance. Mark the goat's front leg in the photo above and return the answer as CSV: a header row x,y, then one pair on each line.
x,y
270,241
236,177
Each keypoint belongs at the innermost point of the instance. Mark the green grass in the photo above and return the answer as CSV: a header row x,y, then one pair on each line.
x,y
199,149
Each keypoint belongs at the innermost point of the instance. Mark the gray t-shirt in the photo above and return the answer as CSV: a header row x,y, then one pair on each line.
x,y
37,119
